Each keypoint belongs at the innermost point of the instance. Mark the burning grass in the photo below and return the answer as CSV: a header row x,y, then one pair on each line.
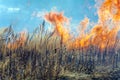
x,y
43,55
50,55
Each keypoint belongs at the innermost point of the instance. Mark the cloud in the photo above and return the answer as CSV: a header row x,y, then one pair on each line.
x,y
38,14
11,9
8,9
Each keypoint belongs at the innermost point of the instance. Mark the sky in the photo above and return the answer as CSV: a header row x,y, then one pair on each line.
x,y
26,14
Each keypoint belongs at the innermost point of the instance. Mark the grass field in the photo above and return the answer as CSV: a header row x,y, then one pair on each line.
x,y
89,54
42,56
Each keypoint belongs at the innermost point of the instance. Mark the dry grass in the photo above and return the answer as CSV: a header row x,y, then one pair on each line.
x,y
43,56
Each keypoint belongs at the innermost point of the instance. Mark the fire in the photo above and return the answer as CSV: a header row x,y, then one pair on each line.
x,y
84,25
18,42
58,19
110,9
102,35
117,14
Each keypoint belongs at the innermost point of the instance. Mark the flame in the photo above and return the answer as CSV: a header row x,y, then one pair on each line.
x,y
83,39
58,19
18,42
83,24
102,35
110,9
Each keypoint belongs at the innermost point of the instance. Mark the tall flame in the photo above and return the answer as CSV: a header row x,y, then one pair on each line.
x,y
110,9
58,19
101,35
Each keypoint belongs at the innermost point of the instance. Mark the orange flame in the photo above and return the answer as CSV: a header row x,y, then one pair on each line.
x,y
102,35
58,19
18,42
110,9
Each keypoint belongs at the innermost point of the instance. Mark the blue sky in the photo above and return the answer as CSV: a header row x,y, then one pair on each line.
x,y
25,14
